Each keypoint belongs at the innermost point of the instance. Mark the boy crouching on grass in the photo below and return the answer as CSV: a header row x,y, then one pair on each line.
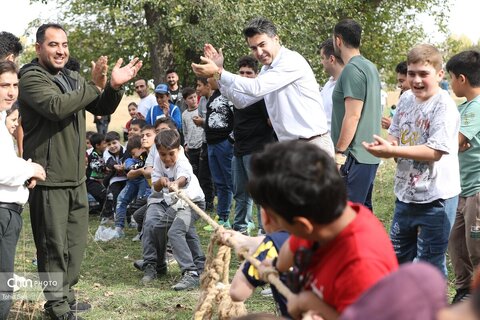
x,y
337,250
423,137
167,219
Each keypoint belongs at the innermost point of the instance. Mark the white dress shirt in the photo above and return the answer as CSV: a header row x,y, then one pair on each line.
x,y
326,93
145,104
14,171
291,94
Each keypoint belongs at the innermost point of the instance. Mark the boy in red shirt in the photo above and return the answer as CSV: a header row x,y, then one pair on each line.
x,y
337,250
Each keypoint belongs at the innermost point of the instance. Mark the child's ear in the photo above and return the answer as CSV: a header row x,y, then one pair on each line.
x,y
304,224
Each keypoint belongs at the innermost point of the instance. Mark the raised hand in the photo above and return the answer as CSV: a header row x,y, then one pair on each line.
x,y
211,53
99,72
207,69
121,75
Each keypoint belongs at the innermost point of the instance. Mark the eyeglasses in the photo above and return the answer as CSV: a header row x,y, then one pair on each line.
x,y
246,72
297,277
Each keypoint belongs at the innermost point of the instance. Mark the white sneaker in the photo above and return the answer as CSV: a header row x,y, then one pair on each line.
x,y
136,238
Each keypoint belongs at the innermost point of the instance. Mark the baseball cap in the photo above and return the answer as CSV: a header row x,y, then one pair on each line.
x,y
162,88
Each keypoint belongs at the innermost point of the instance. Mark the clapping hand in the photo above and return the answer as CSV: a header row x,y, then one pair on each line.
x,y
99,72
121,75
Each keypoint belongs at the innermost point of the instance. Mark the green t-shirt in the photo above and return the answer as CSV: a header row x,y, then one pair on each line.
x,y
470,159
359,80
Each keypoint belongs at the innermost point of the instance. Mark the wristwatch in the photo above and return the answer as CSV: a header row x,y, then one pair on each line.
x,y
217,75
339,151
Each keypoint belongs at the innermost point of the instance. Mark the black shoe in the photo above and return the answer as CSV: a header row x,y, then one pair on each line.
x,y
139,264
77,307
461,295
149,274
67,316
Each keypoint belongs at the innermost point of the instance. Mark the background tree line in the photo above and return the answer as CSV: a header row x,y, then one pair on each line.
x,y
171,33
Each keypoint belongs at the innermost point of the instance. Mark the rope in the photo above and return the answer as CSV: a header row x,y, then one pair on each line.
x,y
270,274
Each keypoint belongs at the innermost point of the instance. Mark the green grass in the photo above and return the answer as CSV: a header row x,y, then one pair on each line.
x,y
111,283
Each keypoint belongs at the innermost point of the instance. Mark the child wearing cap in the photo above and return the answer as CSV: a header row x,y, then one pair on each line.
x,y
164,108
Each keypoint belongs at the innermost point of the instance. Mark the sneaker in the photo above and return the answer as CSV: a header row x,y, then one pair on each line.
x,y
149,274
119,233
67,316
190,280
132,224
136,238
139,264
77,307
461,295
267,292
225,224
162,271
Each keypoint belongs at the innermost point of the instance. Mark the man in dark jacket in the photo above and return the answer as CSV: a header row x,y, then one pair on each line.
x,y
53,101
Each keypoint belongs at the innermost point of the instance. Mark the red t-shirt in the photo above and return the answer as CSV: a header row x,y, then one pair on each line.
x,y
355,260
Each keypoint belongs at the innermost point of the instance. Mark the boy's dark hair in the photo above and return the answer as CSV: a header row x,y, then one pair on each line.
x,y
9,44
249,62
40,36
134,142
297,178
350,31
112,136
148,127
166,120
8,66
402,68
187,92
169,139
88,134
468,64
140,122
202,80
328,51
260,25
96,139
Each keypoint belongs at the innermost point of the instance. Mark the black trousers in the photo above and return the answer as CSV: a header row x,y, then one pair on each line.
x,y
205,177
10,226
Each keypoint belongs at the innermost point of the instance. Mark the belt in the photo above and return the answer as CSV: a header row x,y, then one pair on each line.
x,y
313,137
12,206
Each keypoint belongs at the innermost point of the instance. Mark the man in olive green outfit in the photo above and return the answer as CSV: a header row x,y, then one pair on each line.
x,y
53,101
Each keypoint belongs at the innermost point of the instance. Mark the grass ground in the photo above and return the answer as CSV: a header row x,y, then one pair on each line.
x,y
111,283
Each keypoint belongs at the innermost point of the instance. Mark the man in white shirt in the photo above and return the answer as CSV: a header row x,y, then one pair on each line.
x,y
286,82
333,65
14,179
146,100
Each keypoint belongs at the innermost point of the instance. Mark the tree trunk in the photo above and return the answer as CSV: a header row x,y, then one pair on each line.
x,y
160,45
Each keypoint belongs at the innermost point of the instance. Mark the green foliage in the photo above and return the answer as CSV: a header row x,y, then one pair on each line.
x,y
172,33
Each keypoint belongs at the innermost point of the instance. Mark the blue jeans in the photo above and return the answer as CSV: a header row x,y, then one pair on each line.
x,y
243,201
220,162
421,231
359,178
135,188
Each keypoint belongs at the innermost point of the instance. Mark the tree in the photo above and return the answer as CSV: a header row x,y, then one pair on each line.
x,y
171,33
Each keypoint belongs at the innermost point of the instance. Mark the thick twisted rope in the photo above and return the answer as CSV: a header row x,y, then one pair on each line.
x,y
270,274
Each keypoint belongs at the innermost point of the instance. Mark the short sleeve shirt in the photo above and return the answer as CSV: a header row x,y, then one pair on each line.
x,y
359,80
470,159
435,124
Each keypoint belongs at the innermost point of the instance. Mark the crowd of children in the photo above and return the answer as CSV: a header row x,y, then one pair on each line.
x,y
331,253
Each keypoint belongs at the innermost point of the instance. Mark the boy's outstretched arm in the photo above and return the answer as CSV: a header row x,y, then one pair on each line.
x,y
308,301
240,288
382,148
